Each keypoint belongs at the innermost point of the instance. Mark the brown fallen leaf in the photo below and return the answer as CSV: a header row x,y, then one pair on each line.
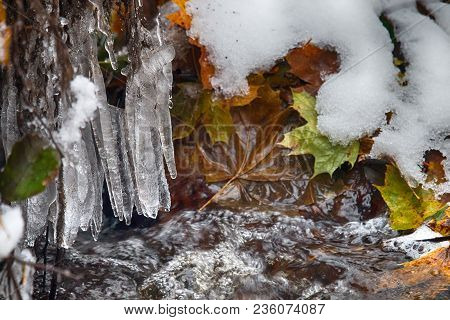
x,y
312,64
433,166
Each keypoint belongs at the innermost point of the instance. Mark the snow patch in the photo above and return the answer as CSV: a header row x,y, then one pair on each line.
x,y
81,112
421,120
248,36
11,229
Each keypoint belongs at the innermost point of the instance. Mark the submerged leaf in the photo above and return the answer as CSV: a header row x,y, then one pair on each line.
x,y
193,106
216,118
31,166
308,139
409,208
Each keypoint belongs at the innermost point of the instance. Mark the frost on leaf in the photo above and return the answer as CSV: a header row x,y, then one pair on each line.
x,y
307,139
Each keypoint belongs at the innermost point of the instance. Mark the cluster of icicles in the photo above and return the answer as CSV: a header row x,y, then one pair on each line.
x,y
124,147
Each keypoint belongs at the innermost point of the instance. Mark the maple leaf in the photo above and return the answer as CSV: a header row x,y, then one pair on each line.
x,y
409,207
308,139
252,154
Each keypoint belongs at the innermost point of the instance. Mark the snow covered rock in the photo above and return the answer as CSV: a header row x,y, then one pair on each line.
x,y
412,245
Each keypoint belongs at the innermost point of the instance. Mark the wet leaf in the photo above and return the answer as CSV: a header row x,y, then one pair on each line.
x,y
408,207
308,139
216,118
239,101
252,154
186,109
31,166
441,221
193,106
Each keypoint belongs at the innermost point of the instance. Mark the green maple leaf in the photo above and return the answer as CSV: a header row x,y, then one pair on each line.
x,y
308,139
408,207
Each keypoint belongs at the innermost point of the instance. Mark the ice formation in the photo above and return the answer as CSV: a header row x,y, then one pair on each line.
x,y
249,36
11,229
99,142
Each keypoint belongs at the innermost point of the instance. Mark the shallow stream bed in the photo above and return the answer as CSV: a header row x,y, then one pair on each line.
x,y
220,254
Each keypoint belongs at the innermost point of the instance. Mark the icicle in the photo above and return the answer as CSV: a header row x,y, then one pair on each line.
x,y
109,136
103,27
147,117
36,210
9,127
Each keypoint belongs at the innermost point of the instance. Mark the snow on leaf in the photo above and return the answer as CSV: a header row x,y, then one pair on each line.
x,y
308,139
31,166
409,207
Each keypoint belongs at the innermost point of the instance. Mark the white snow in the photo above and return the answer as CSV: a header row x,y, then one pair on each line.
x,y
411,244
421,120
440,12
11,229
249,36
82,110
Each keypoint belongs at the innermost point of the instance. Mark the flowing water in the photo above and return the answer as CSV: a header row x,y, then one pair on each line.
x,y
220,254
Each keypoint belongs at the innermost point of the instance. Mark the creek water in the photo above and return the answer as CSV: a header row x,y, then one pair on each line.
x,y
223,254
